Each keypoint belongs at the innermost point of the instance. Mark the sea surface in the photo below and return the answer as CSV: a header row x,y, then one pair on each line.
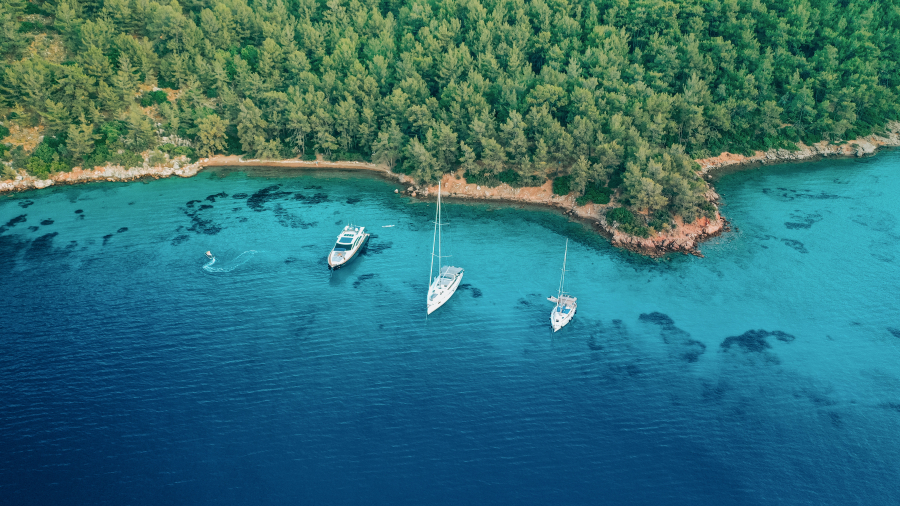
x,y
135,371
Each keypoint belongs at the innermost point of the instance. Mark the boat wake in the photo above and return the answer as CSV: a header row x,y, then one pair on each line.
x,y
234,264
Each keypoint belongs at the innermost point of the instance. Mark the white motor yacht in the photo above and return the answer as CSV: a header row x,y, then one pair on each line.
x,y
349,242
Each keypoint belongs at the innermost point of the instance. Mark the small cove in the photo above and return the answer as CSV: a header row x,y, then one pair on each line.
x,y
764,372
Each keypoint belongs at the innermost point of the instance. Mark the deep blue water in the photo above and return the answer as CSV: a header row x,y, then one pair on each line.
x,y
765,373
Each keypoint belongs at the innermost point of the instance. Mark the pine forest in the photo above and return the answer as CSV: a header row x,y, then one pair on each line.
x,y
608,97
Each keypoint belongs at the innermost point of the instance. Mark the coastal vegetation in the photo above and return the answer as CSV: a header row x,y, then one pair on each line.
x,y
607,98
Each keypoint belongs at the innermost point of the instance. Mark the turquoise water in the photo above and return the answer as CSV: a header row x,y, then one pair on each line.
x,y
133,371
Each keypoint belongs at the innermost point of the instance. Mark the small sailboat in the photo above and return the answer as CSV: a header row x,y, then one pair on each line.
x,y
565,305
447,281
348,244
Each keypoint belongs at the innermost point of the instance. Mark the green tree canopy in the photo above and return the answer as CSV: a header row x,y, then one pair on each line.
x,y
606,92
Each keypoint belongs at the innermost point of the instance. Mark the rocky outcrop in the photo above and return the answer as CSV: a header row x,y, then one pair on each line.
x,y
106,173
683,238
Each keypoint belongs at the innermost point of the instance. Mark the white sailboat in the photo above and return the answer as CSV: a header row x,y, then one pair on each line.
x,y
447,281
565,305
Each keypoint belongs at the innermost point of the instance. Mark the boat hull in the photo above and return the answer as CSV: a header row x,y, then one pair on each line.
x,y
559,320
347,257
444,295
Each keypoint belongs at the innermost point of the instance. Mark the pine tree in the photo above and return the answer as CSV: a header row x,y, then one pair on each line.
x,y
80,140
211,135
387,148
141,133
251,126
649,195
492,155
580,173
124,82
467,160
56,116
298,125
421,162
270,150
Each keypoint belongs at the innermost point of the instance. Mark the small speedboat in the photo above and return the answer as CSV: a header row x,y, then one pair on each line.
x,y
210,256
348,244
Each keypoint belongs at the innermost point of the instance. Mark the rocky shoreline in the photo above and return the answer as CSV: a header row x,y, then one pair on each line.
x,y
683,238
863,146
177,167
106,173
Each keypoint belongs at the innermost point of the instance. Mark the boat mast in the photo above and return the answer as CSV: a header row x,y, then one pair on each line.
x,y
562,279
440,227
437,216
